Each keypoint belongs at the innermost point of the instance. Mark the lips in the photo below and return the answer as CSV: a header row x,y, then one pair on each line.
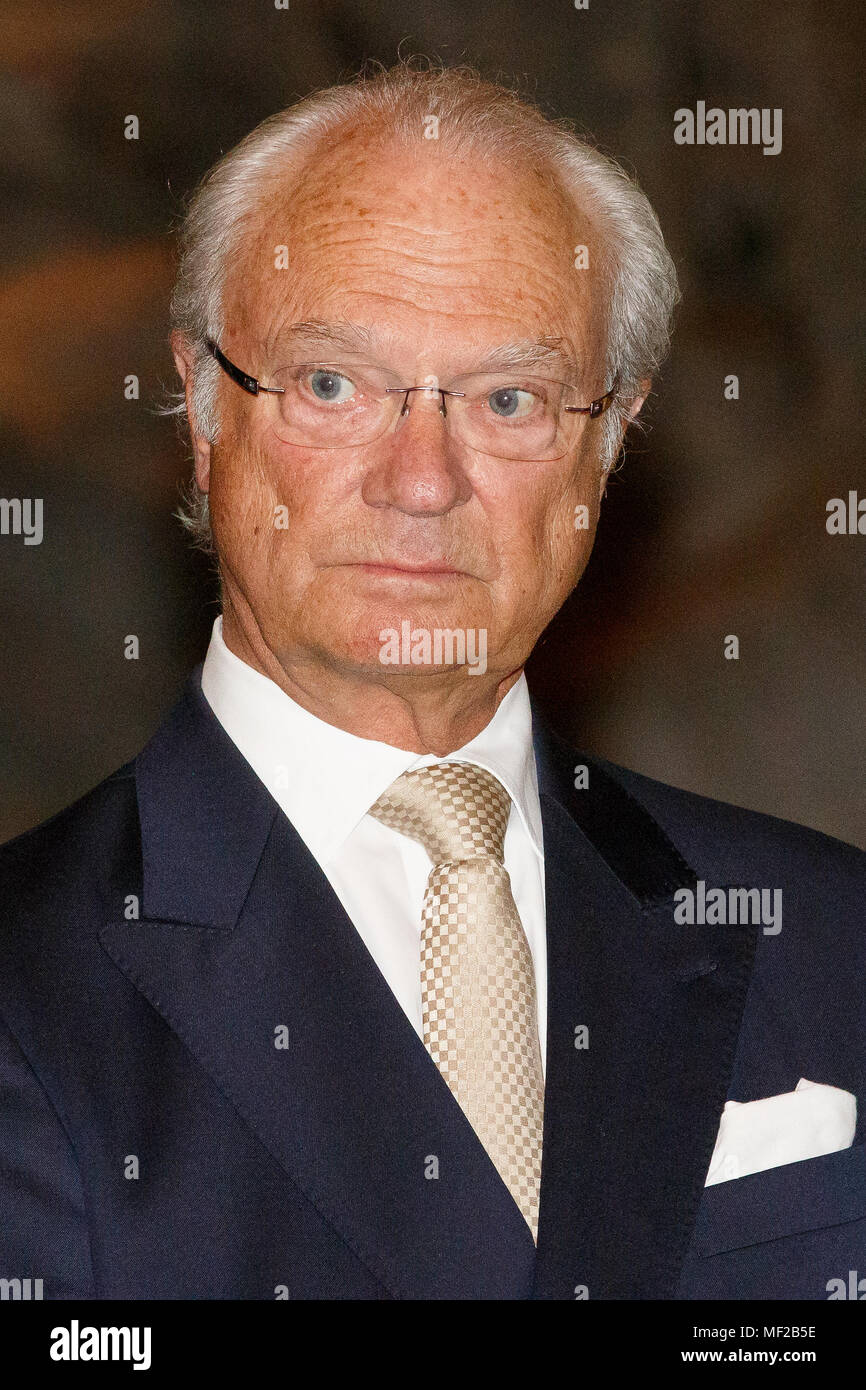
x,y
400,567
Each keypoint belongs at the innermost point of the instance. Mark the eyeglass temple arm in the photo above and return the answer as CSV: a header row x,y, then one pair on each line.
x,y
248,383
596,407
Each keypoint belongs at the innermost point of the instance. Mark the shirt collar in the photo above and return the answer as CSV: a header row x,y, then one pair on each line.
x,y
325,779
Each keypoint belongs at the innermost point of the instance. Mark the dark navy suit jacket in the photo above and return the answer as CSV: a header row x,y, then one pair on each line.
x,y
155,1143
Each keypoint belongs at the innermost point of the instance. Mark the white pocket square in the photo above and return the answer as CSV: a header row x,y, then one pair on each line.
x,y
759,1134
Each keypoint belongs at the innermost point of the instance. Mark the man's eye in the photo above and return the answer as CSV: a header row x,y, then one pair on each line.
x,y
510,403
331,386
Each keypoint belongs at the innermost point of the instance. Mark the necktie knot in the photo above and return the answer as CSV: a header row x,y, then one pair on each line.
x,y
457,811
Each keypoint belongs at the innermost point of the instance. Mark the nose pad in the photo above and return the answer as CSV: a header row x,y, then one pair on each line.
x,y
406,407
428,391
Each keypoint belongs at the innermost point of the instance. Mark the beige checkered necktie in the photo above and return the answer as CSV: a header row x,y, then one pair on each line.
x,y
477,980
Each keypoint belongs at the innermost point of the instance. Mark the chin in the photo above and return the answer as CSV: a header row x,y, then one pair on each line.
x,y
409,639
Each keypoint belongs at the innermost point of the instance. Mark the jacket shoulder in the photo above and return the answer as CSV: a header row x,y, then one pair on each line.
x,y
727,840
715,839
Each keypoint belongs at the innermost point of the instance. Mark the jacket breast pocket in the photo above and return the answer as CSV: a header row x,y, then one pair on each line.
x,y
784,1233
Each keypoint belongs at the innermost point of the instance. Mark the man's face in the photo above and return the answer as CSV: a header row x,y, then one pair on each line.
x,y
442,260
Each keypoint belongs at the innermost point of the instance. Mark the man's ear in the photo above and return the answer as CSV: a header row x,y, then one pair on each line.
x,y
183,360
638,401
633,411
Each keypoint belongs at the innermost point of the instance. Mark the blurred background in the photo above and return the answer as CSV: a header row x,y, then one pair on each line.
x,y
716,523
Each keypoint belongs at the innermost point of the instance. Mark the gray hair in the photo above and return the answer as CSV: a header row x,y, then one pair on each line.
x,y
639,276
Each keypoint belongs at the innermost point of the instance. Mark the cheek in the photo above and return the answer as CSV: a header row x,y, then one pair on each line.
x,y
259,494
238,496
550,533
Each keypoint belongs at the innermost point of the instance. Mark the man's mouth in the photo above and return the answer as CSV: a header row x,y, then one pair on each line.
x,y
401,568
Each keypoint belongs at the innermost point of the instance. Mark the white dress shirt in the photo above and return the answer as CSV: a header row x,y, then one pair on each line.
x,y
325,780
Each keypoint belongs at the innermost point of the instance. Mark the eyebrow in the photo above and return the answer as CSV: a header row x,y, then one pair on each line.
x,y
349,336
550,353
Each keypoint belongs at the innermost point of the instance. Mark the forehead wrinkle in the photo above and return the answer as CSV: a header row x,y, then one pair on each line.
x,y
369,221
431,309
367,228
552,354
493,261
514,286
314,245
338,264
522,284
510,238
548,351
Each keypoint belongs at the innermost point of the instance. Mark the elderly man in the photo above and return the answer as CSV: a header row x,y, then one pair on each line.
x,y
356,983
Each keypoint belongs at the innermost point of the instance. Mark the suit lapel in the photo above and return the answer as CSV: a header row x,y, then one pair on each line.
x,y
243,944
631,1118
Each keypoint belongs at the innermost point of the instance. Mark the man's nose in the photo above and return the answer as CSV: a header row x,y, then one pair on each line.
x,y
419,467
